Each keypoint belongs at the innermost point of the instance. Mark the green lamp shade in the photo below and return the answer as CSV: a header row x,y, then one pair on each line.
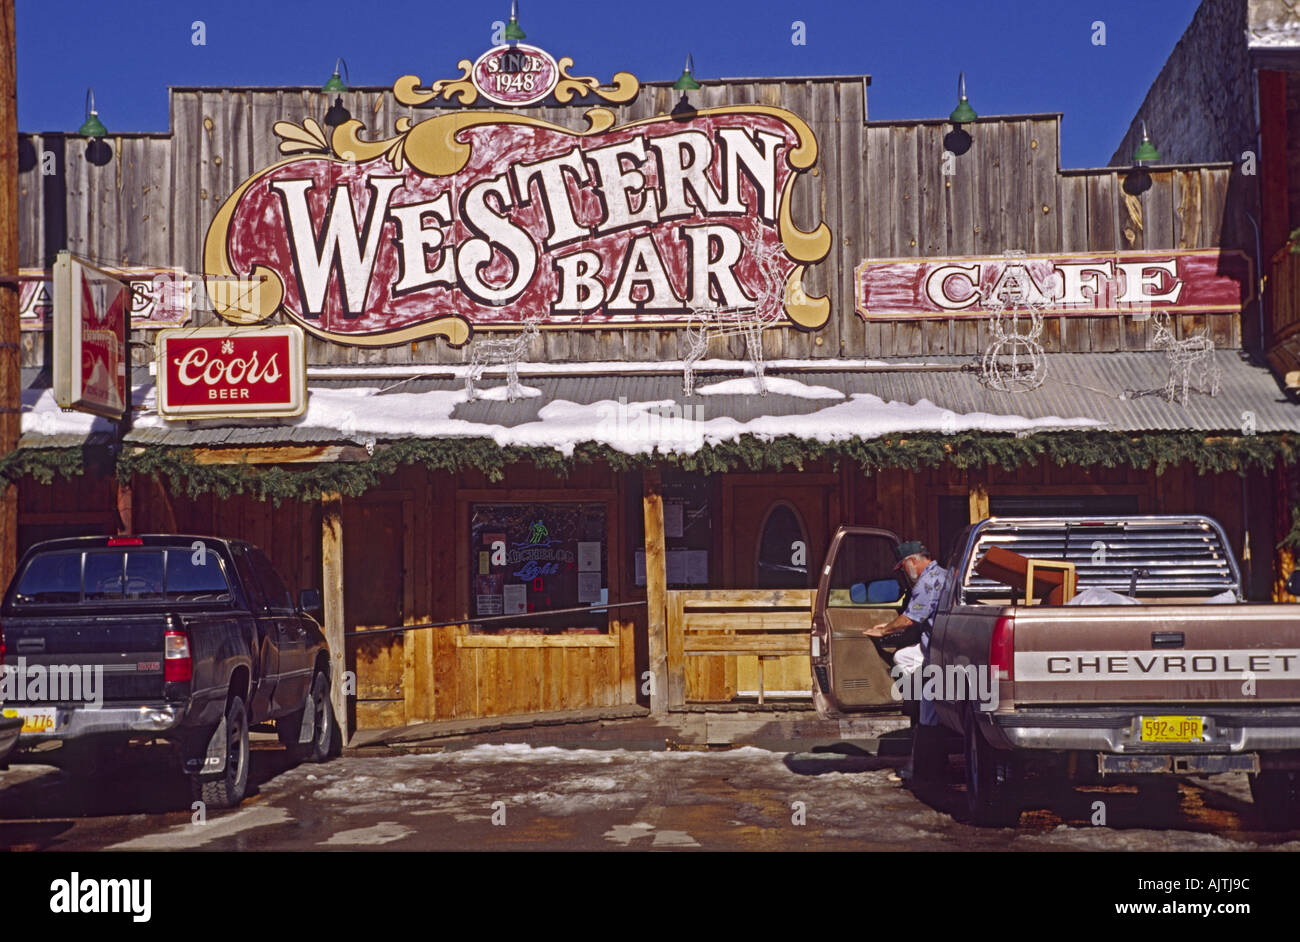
x,y
335,84
1145,153
93,127
513,32
687,82
963,113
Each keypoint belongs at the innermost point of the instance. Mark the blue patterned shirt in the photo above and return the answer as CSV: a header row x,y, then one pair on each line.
x,y
925,595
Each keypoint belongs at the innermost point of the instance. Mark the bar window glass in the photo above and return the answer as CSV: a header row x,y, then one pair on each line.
x,y
534,558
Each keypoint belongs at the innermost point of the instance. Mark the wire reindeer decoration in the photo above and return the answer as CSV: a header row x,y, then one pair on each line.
x,y
742,320
1193,355
507,350
1014,361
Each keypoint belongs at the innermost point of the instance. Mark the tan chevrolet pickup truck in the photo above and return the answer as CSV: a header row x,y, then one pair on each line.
x,y
1088,646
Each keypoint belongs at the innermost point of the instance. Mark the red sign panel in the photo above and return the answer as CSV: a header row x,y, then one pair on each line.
x,y
479,219
90,333
160,297
219,372
1204,280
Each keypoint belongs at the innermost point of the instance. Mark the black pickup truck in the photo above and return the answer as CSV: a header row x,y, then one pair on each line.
x,y
187,639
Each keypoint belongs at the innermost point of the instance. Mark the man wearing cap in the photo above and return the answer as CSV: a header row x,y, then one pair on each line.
x,y
927,578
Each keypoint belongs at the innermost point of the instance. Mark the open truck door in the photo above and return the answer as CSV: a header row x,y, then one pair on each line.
x,y
859,589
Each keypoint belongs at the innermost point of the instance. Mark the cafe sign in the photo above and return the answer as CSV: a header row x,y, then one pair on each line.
x,y
486,219
220,372
1202,281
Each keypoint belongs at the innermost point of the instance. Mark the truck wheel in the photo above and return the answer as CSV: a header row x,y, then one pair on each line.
x,y
326,741
1277,793
227,789
989,780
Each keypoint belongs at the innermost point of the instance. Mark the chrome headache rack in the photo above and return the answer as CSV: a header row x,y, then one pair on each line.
x,y
1148,556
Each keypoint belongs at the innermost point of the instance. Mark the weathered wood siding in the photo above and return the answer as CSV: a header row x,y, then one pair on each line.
x,y
879,186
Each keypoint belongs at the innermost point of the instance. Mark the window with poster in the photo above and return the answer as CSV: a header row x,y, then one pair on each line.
x,y
533,557
688,502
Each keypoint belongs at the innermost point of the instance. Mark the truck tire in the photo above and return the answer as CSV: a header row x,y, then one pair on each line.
x,y
1277,794
326,742
990,778
226,790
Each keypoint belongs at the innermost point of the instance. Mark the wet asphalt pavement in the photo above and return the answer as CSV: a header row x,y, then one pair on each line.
x,y
517,797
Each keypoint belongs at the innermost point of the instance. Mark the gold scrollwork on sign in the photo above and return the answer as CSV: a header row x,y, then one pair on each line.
x,y
625,85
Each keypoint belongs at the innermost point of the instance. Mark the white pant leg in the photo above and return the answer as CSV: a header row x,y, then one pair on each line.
x,y
909,658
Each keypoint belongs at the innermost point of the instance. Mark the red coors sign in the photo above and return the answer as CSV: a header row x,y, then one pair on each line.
x,y
213,372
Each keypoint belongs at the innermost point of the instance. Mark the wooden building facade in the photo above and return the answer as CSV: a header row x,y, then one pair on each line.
x,y
419,543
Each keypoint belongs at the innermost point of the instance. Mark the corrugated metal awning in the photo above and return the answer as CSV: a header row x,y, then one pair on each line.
x,y
1119,391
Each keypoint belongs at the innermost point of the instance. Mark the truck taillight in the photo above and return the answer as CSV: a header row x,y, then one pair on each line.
x,y
177,665
1002,648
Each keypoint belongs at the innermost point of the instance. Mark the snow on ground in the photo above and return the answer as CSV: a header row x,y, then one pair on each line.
x,y
746,788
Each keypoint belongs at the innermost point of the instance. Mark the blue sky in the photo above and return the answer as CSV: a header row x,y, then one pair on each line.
x,y
1019,57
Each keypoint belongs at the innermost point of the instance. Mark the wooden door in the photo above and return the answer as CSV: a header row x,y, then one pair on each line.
x,y
775,532
374,587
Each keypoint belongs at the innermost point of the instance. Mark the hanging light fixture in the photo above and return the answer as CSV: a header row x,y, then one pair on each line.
x,y
1138,179
686,82
683,110
1146,152
963,113
958,140
335,85
513,32
97,150
92,127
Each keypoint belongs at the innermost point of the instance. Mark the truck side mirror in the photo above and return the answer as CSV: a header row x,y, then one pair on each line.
x,y
309,600
1293,583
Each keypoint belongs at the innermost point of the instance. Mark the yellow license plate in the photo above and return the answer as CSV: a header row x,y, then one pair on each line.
x,y
1173,728
34,721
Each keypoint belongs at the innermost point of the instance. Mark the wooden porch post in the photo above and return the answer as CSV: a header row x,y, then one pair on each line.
x,y
979,497
10,372
656,589
332,597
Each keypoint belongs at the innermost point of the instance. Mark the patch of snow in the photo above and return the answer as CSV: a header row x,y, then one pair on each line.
x,y
748,386
630,427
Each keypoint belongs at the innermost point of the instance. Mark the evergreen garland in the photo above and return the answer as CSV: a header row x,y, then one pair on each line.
x,y
1208,454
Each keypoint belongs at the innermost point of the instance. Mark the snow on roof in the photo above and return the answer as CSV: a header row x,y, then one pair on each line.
x,y
635,427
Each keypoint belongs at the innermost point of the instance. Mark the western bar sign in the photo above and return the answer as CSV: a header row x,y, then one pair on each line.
x,y
1203,280
487,218
219,372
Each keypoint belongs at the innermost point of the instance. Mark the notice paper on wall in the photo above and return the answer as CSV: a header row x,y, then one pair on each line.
x,y
697,567
674,511
488,604
516,599
589,556
588,588
639,567
677,567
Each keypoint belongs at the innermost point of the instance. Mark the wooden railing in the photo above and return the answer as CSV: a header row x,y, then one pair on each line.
x,y
763,623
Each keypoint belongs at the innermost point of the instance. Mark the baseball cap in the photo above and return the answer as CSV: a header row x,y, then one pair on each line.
x,y
909,548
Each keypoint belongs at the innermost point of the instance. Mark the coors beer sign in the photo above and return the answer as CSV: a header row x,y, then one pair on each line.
x,y
219,372
484,218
